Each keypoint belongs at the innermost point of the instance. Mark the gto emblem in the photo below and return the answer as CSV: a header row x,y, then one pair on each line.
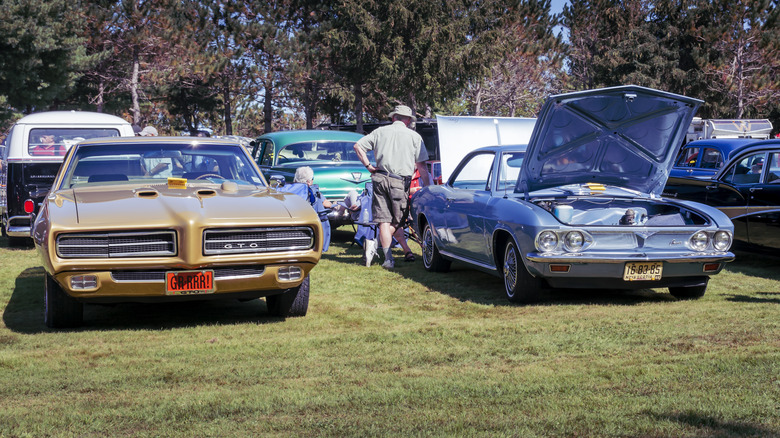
x,y
241,245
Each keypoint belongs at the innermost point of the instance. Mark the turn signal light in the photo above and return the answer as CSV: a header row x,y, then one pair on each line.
x,y
29,206
711,267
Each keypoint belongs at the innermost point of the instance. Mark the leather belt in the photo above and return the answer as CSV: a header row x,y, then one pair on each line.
x,y
386,173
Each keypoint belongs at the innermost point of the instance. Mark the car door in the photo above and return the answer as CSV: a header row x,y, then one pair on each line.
x,y
763,209
466,204
731,192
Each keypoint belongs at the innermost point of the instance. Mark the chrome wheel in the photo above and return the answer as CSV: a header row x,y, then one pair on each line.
x,y
510,270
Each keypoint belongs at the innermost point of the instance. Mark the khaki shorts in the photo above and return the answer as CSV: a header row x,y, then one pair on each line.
x,y
390,200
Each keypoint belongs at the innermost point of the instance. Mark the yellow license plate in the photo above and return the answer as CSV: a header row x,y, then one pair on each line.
x,y
189,282
643,271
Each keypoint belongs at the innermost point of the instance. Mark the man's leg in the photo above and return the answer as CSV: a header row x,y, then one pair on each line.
x,y
386,231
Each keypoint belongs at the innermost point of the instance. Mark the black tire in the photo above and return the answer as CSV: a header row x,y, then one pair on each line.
x,y
519,285
689,292
60,310
432,260
294,302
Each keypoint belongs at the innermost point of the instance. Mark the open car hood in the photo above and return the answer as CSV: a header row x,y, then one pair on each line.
x,y
624,136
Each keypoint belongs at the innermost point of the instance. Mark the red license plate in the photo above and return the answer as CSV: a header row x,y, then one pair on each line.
x,y
189,282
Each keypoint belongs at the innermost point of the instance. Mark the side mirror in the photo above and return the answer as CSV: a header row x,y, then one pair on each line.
x,y
277,181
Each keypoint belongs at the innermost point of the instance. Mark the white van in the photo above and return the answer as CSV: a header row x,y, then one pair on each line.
x,y
30,157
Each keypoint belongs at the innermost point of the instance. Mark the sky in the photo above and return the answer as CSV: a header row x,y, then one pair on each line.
x,y
557,6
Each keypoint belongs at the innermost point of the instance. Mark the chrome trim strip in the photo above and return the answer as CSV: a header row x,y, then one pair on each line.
x,y
469,261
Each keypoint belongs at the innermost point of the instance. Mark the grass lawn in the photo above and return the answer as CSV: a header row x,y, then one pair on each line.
x,y
399,353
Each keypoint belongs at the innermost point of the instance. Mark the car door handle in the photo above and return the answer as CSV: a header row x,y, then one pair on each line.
x,y
756,189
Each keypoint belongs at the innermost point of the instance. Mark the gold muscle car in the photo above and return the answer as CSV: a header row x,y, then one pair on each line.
x,y
171,219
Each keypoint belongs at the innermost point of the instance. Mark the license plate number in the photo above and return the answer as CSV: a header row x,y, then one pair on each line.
x,y
189,282
643,271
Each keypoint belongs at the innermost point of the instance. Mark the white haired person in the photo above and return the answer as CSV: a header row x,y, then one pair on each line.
x,y
306,176
303,186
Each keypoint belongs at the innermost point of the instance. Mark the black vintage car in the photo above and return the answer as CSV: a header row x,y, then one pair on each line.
x,y
30,157
747,189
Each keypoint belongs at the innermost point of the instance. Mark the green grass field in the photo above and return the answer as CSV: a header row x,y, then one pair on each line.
x,y
399,353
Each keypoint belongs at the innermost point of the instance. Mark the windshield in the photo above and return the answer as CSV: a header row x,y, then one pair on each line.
x,y
333,151
57,141
155,163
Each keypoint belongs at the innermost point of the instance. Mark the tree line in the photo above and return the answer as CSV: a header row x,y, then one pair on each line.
x,y
243,68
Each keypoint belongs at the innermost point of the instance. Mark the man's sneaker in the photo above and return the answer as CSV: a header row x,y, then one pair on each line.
x,y
389,263
369,251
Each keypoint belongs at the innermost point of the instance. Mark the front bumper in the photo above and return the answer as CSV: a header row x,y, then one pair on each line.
x,y
148,285
606,271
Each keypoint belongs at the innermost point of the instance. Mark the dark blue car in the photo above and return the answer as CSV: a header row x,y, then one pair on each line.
x,y
703,158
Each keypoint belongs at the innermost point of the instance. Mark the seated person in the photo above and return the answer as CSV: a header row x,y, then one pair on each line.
x,y
305,175
47,146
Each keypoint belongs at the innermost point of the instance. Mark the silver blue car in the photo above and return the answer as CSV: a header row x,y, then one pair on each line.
x,y
580,205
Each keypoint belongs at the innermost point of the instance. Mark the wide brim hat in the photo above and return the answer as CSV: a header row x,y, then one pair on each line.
x,y
403,110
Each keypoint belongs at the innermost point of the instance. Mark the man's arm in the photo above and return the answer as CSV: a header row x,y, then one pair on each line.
x,y
425,177
363,157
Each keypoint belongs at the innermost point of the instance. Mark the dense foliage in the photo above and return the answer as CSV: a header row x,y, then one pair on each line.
x,y
248,67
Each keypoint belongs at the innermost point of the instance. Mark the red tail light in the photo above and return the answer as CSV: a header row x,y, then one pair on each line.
x,y
29,206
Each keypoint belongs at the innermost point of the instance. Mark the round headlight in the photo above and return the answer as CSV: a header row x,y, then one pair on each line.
x,y
699,241
722,240
547,241
574,241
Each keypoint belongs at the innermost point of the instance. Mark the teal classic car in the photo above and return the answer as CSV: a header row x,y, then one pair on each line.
x,y
330,155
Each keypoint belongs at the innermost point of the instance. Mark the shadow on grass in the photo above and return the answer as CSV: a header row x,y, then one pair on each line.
x,y
24,312
761,298
466,284
754,264
715,427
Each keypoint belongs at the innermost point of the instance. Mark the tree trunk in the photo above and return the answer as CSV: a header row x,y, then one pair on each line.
x,y
268,109
228,117
359,107
134,89
101,92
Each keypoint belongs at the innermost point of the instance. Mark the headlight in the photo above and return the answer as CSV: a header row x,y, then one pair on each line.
x,y
547,241
722,240
574,241
699,241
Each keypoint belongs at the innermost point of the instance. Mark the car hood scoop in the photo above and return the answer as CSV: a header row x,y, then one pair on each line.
x,y
623,136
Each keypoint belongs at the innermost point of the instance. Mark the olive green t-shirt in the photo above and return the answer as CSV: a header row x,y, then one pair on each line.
x,y
396,148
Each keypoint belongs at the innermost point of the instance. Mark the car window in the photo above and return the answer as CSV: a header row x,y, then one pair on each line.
x,y
746,171
56,141
688,157
711,159
773,176
510,170
333,151
266,153
475,173
150,164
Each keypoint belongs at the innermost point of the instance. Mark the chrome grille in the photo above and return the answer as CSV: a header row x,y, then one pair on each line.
x,y
257,240
109,245
227,273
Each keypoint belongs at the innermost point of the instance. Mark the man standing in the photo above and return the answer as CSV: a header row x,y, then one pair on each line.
x,y
398,149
